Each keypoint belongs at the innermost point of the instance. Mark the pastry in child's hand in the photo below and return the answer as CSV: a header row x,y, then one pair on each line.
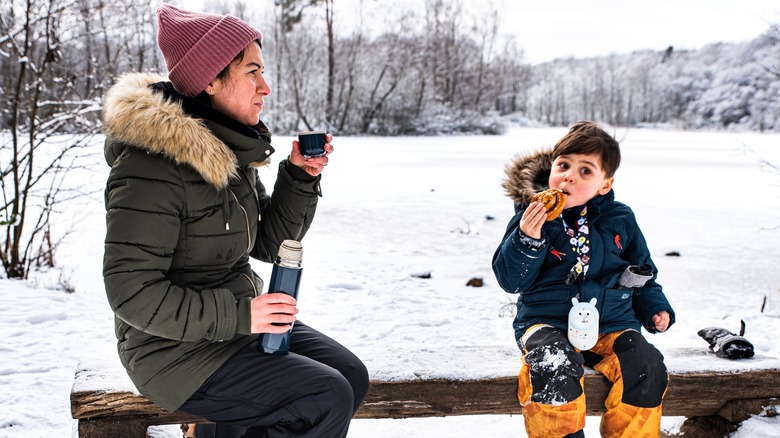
x,y
553,200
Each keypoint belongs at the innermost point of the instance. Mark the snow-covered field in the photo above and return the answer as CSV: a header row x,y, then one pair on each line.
x,y
396,207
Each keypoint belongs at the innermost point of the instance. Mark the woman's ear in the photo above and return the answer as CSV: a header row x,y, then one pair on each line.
x,y
607,185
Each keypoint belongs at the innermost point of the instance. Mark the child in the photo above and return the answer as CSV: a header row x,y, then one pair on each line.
x,y
581,254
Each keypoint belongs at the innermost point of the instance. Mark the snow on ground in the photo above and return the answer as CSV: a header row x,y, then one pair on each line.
x,y
396,207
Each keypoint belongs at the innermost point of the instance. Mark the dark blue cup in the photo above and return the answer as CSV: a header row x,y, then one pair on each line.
x,y
312,143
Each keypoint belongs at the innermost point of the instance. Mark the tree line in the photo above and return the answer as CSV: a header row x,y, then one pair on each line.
x,y
438,69
720,86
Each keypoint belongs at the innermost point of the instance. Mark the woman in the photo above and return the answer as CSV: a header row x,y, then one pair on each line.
x,y
185,211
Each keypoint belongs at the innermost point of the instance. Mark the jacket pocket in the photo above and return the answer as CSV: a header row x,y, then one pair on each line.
x,y
546,304
553,296
617,305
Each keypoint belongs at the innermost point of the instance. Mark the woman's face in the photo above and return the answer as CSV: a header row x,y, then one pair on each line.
x,y
241,92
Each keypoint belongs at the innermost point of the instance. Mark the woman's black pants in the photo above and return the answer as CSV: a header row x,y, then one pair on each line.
x,y
313,391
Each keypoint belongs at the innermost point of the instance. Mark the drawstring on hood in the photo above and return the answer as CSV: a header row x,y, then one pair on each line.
x,y
226,209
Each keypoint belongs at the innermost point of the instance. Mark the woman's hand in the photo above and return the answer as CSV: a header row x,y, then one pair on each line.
x,y
661,320
533,219
271,308
312,166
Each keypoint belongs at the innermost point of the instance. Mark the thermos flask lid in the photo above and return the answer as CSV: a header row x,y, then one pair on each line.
x,y
291,250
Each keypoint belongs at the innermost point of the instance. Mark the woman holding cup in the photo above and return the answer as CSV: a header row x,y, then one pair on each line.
x,y
185,211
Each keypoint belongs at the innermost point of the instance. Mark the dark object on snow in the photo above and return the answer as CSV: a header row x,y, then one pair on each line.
x,y
673,254
707,427
475,282
727,344
425,275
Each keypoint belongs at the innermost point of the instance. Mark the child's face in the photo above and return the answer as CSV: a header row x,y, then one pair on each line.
x,y
581,177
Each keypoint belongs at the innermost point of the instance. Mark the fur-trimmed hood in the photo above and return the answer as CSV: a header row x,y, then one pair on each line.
x,y
136,114
528,174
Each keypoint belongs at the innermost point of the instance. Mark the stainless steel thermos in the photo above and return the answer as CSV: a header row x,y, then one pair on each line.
x,y
285,278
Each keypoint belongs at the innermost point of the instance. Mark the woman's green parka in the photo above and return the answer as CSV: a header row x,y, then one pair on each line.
x,y
185,211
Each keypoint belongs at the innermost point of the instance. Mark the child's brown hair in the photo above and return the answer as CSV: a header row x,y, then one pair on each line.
x,y
587,138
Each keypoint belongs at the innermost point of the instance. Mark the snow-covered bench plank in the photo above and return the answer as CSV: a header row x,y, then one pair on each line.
x,y
450,381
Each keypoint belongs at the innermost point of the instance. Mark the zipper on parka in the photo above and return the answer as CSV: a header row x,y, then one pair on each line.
x,y
251,283
246,218
249,180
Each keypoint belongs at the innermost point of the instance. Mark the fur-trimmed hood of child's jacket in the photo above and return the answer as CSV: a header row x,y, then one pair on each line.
x,y
136,114
528,174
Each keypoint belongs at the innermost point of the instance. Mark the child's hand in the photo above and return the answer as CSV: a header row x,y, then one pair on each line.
x,y
533,219
661,320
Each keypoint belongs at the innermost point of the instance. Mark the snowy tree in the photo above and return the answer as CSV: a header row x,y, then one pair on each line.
x,y
56,59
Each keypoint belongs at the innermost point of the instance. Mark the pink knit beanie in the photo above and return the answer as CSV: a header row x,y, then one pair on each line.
x,y
197,46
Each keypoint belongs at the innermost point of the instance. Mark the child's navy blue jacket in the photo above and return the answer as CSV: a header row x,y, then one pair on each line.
x,y
539,276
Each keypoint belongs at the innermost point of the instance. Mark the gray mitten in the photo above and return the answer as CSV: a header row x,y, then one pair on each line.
x,y
635,276
727,344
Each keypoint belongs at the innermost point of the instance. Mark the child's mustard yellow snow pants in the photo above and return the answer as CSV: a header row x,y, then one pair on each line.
x,y
551,384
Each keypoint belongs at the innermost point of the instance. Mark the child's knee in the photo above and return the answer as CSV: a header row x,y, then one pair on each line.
x,y
642,367
555,367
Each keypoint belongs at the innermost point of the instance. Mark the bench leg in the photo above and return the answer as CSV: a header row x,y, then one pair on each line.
x,y
133,427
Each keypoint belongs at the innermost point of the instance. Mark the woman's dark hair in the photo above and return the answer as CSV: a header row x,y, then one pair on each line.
x,y
223,74
587,138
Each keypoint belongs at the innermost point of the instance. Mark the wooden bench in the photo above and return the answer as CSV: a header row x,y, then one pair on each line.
x,y
713,393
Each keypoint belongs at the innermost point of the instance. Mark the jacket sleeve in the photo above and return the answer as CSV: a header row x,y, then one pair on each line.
x,y
287,213
142,230
648,299
515,264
